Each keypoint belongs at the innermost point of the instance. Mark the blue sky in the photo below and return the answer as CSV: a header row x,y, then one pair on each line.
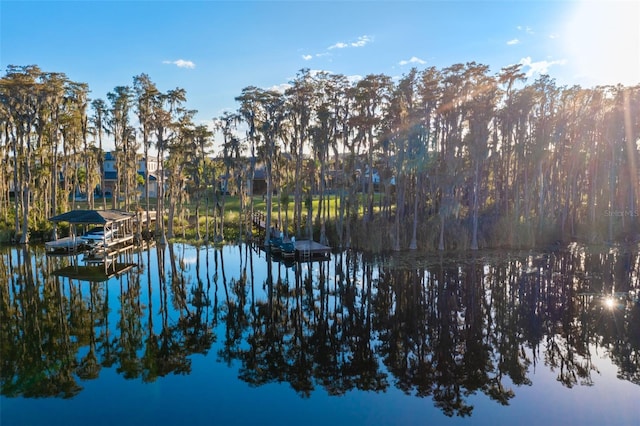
x,y
214,49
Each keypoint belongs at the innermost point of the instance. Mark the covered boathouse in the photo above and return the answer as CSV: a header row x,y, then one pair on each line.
x,y
117,234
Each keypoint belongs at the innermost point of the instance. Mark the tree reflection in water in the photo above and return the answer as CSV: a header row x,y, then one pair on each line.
x,y
433,327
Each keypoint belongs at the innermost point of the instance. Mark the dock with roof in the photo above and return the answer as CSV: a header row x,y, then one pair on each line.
x,y
117,235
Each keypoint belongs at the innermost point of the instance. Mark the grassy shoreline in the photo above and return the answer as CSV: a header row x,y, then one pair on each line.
x,y
369,235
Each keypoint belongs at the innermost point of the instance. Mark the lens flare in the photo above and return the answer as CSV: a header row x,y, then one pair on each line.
x,y
609,303
602,41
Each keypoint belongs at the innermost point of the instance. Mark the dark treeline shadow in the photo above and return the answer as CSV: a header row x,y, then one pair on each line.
x,y
433,327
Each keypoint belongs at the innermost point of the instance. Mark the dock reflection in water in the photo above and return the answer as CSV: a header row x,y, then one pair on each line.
x,y
488,337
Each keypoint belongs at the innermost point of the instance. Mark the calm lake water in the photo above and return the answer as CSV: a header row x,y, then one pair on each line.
x,y
187,335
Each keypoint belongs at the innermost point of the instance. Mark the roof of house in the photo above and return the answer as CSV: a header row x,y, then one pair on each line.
x,y
260,174
92,216
113,175
152,175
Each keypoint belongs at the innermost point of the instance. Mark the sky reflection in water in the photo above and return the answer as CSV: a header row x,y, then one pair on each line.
x,y
459,332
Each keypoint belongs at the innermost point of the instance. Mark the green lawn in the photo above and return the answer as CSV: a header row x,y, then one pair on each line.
x,y
232,211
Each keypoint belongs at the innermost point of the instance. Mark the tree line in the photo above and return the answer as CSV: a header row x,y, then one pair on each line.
x,y
452,158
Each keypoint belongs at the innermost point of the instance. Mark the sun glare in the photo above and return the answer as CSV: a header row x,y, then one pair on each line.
x,y
609,303
602,40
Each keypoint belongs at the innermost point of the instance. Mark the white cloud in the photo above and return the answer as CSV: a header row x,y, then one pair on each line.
x,y
514,41
539,67
413,60
317,55
338,45
280,88
352,79
181,63
527,30
361,42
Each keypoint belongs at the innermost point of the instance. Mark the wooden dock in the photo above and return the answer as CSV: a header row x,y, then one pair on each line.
x,y
309,250
260,222
144,217
66,245
304,249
